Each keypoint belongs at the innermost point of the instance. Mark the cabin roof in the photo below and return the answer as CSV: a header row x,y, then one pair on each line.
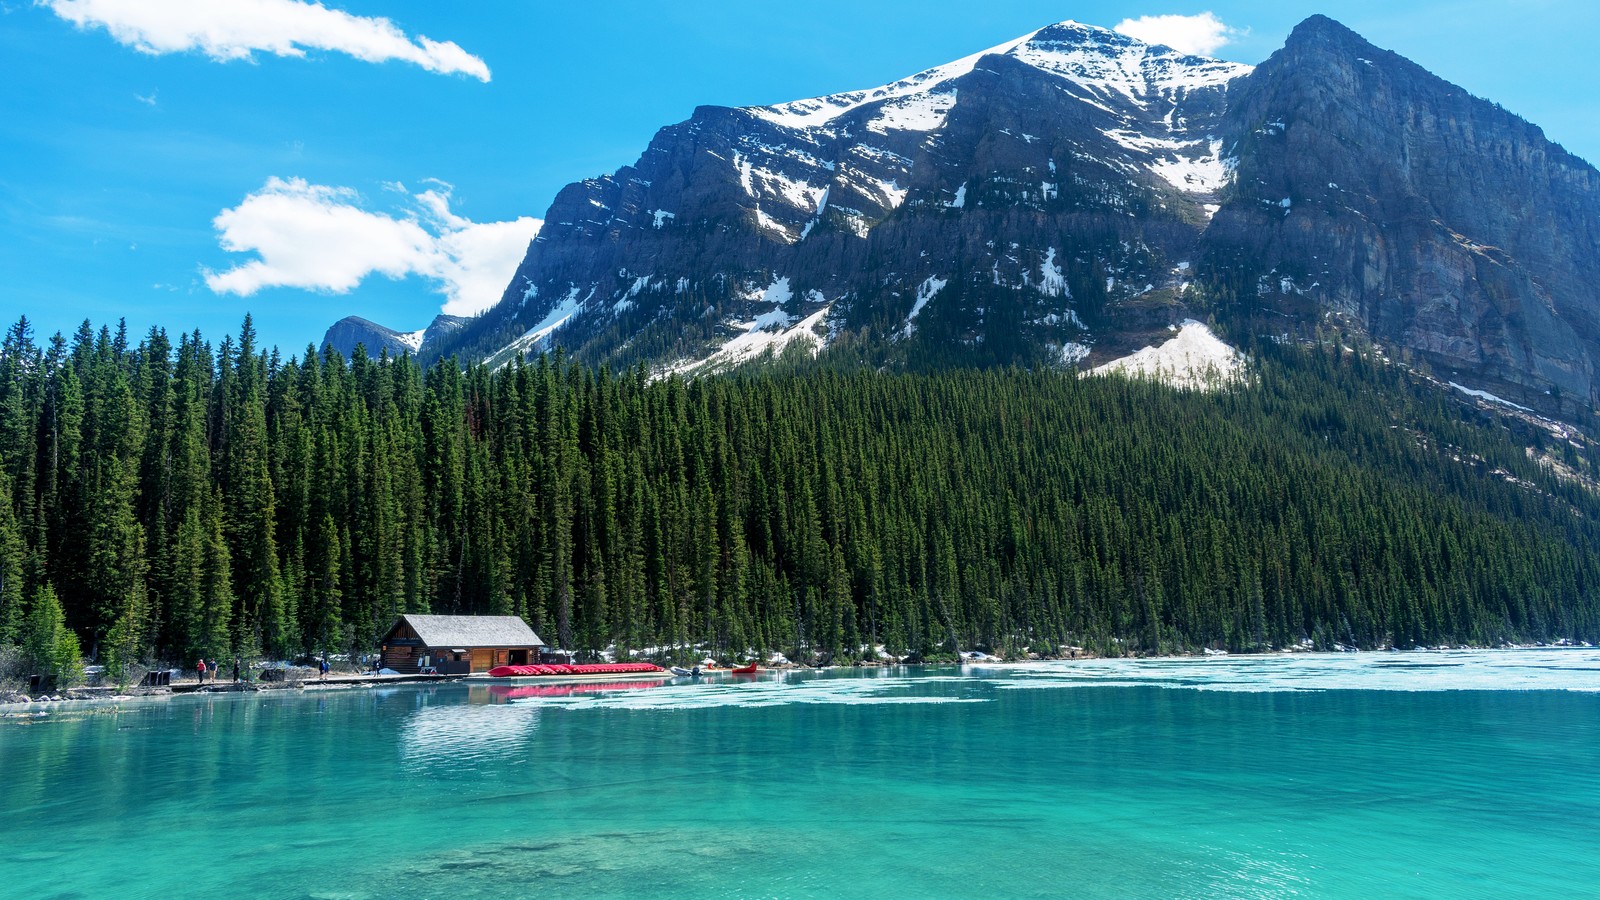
x,y
471,631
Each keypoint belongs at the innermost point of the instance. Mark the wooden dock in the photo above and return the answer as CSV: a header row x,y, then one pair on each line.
x,y
227,686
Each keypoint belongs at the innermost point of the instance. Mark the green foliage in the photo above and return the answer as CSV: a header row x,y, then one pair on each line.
x,y
11,570
189,502
49,647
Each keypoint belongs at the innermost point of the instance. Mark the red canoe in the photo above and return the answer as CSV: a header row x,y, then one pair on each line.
x,y
749,669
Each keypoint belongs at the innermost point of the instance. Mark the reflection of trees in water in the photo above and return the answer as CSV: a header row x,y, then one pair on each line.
x,y
160,758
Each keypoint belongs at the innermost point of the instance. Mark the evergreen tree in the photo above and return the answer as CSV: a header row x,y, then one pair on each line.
x,y
49,647
182,502
11,569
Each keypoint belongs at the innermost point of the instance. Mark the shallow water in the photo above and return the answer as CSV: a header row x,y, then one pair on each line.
x,y
1434,774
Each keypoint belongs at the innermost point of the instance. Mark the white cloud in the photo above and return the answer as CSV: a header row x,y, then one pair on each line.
x,y
1202,35
475,260
236,29
319,238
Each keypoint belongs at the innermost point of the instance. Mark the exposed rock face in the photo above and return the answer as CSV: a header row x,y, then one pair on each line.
x,y
995,206
1444,224
1059,198
352,331
440,330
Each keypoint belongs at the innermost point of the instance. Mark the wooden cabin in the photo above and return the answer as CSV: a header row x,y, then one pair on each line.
x,y
458,645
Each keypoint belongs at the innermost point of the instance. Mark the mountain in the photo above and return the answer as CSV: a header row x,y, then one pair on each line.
x,y
954,241
995,208
347,333
1440,223
1063,198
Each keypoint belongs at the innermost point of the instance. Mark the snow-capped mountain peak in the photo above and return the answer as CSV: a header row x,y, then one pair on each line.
x,y
816,112
1061,199
1103,61
1067,118
1115,64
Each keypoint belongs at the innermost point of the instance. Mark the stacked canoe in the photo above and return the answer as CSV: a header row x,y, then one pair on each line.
x,y
580,669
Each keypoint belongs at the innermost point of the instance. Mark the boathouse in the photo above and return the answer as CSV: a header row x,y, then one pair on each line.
x,y
458,645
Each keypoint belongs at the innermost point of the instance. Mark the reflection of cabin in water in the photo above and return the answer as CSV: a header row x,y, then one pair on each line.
x,y
458,645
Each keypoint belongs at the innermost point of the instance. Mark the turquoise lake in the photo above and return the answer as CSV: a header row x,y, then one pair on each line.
x,y
1440,774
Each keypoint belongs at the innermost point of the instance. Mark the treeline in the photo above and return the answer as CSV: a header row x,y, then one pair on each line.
x,y
190,500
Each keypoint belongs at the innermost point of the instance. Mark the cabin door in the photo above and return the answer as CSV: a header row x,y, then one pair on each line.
x,y
482,659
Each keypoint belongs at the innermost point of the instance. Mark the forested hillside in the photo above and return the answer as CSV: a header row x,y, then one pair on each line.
x,y
194,500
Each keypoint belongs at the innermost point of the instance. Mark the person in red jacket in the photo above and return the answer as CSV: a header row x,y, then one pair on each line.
x,y
200,670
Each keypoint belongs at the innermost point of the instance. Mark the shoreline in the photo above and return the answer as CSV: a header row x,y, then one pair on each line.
x,y
100,698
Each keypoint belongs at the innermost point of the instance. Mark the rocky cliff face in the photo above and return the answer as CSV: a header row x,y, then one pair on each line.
x,y
1440,222
994,207
1054,200
353,331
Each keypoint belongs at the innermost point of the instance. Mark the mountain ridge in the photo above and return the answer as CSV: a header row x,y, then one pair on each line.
x,y
812,197
352,331
1061,198
1457,205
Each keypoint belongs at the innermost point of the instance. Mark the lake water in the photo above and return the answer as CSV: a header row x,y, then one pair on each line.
x,y
1428,775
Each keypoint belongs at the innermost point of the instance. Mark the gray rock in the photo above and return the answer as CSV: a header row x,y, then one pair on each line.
x,y
1440,222
1058,206
352,331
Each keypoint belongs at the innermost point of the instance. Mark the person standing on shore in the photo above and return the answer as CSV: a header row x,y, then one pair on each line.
x,y
236,670
324,668
200,670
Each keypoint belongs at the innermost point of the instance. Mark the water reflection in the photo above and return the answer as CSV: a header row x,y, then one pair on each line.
x,y
830,783
454,734
526,691
444,732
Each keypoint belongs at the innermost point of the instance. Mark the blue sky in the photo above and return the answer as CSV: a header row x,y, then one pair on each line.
x,y
392,169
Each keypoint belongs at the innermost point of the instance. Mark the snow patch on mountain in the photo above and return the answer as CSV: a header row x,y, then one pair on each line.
x,y
778,294
1488,397
819,111
797,192
1072,352
558,316
926,291
1052,279
1197,174
1195,359
742,165
759,338
1110,65
767,223
892,193
917,112
881,156
1194,167
1119,67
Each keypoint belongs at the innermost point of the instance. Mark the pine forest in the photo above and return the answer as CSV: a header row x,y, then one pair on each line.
x,y
160,503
